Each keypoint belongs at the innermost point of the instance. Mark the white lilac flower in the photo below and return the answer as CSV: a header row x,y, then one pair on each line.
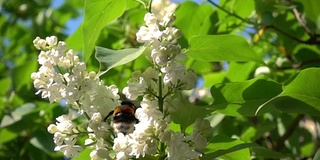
x,y
164,54
69,149
198,139
99,148
64,125
121,146
190,80
163,8
98,127
163,42
71,85
39,43
171,76
171,34
58,138
143,139
62,76
173,73
51,41
141,83
202,126
63,136
101,153
149,35
179,148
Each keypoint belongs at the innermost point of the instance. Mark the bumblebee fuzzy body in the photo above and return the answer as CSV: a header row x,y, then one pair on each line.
x,y
123,117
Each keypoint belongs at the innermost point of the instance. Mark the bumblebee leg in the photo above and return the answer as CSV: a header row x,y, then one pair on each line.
x,y
137,121
110,113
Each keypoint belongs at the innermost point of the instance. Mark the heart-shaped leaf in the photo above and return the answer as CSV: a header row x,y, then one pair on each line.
x,y
97,14
211,48
300,95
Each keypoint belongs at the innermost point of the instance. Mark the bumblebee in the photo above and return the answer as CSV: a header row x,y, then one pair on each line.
x,y
123,117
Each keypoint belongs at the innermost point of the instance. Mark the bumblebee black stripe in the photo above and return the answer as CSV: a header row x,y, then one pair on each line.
x,y
124,117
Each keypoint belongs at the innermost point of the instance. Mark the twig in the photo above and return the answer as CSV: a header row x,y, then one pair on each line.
x,y
302,22
314,38
295,123
232,14
286,34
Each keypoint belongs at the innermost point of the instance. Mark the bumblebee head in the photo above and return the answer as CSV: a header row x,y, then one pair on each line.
x,y
126,107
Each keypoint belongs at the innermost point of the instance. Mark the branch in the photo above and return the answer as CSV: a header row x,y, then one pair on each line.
x,y
314,38
302,22
295,123
286,34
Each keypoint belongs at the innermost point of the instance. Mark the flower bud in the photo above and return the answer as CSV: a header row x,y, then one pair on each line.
x,y
52,128
51,41
176,33
263,70
36,43
96,117
92,75
150,19
165,136
199,140
42,44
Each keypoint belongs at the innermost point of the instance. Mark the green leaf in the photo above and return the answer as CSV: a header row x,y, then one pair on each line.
x,y
188,113
213,78
17,114
75,40
97,14
311,9
240,71
83,154
21,75
308,149
42,140
243,8
199,18
251,134
243,98
7,135
5,84
228,148
317,156
109,58
234,149
264,153
300,95
212,48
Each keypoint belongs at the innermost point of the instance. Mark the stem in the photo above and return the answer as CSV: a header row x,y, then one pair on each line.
x,y
140,1
160,98
149,7
295,123
286,34
232,14
301,21
84,113
162,152
60,71
160,104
